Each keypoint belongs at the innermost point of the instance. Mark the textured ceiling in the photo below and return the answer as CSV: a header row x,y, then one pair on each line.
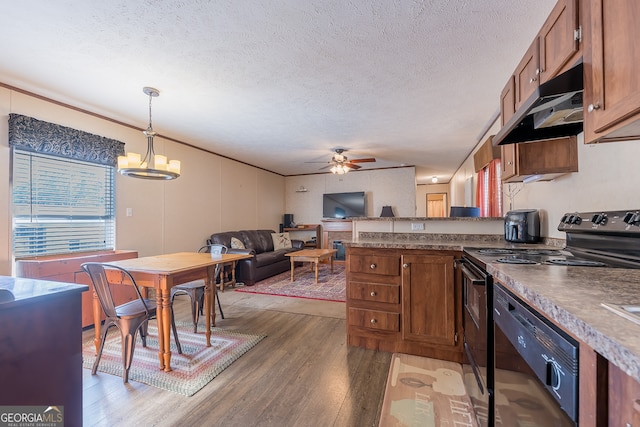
x,y
279,83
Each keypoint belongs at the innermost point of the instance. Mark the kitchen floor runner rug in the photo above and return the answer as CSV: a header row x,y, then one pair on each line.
x,y
191,370
425,392
330,286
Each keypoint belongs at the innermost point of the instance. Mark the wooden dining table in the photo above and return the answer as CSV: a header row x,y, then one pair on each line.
x,y
162,272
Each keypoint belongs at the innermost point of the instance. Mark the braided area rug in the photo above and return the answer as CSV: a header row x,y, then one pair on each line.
x,y
191,370
330,286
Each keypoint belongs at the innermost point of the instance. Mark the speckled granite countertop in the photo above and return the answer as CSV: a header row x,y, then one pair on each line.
x,y
453,218
570,296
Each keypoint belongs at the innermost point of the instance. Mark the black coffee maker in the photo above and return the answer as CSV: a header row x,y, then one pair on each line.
x,y
522,226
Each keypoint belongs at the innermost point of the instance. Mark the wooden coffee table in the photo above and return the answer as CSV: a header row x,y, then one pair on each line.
x,y
311,255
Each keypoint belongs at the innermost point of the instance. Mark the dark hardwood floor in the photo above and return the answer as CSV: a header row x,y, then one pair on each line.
x,y
302,374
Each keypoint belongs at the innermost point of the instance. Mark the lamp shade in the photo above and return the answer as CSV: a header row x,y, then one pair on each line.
x,y
386,212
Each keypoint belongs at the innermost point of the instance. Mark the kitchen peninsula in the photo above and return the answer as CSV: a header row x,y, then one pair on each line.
x,y
568,297
41,335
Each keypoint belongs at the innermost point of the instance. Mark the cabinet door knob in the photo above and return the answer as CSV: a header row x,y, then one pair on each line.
x,y
593,107
405,265
372,266
373,293
373,321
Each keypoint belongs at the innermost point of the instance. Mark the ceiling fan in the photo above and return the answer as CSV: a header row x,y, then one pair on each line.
x,y
341,164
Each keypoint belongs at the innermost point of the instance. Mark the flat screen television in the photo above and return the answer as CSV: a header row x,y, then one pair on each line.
x,y
343,205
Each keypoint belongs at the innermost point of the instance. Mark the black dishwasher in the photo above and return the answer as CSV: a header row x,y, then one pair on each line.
x,y
536,367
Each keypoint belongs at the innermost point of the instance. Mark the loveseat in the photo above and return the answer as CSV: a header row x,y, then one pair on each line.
x,y
266,261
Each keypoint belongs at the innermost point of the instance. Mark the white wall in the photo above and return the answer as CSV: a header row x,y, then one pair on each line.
x,y
607,179
385,187
213,193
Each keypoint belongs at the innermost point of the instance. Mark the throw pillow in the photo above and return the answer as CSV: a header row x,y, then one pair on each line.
x,y
237,243
281,241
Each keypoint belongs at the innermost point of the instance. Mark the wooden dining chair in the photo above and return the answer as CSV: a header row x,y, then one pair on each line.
x,y
195,290
129,318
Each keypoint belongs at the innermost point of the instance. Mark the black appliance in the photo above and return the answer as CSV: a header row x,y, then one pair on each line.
x,y
593,239
478,338
341,249
535,367
554,110
344,205
288,221
464,211
522,226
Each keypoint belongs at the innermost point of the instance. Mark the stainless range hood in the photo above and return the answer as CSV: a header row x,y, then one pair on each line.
x,y
554,110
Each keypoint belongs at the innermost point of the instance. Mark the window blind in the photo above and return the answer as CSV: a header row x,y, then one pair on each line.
x,y
61,205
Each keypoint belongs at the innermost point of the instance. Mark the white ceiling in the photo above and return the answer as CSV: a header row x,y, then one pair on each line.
x,y
276,84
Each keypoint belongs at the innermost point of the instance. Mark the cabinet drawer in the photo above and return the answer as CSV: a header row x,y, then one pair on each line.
x,y
373,319
375,264
377,292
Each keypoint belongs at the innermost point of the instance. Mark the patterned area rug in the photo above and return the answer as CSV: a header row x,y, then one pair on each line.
x,y
425,392
330,286
191,370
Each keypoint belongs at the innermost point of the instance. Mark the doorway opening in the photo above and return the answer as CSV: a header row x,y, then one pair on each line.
x,y
437,205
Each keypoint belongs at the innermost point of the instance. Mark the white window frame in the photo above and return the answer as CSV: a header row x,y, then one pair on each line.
x,y
60,205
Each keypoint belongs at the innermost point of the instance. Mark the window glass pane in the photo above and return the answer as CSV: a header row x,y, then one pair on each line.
x,y
61,206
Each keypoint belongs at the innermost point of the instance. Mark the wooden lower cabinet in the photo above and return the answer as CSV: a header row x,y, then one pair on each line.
x,y
66,268
406,301
624,398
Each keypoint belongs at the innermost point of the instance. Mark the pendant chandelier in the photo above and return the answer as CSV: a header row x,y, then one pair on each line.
x,y
152,166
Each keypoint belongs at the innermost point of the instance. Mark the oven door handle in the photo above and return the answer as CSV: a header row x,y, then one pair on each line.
x,y
475,279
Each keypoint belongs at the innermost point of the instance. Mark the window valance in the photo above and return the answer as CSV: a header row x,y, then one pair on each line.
x,y
38,136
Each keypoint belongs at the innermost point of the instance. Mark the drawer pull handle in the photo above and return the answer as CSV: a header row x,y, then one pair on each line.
x,y
405,265
593,107
373,321
373,266
373,293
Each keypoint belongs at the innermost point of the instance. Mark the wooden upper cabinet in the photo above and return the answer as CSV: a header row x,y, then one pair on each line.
x,y
508,162
555,49
612,67
527,74
559,39
508,101
550,158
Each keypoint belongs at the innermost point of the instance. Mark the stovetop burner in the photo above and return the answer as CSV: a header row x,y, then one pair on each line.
x,y
576,262
593,239
496,251
516,260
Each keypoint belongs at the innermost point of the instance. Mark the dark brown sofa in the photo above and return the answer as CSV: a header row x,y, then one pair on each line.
x,y
265,261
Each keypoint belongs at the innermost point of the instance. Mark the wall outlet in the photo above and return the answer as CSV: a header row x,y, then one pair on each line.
x,y
129,212
417,226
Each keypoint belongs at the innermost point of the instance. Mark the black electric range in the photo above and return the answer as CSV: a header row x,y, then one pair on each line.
x,y
593,239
